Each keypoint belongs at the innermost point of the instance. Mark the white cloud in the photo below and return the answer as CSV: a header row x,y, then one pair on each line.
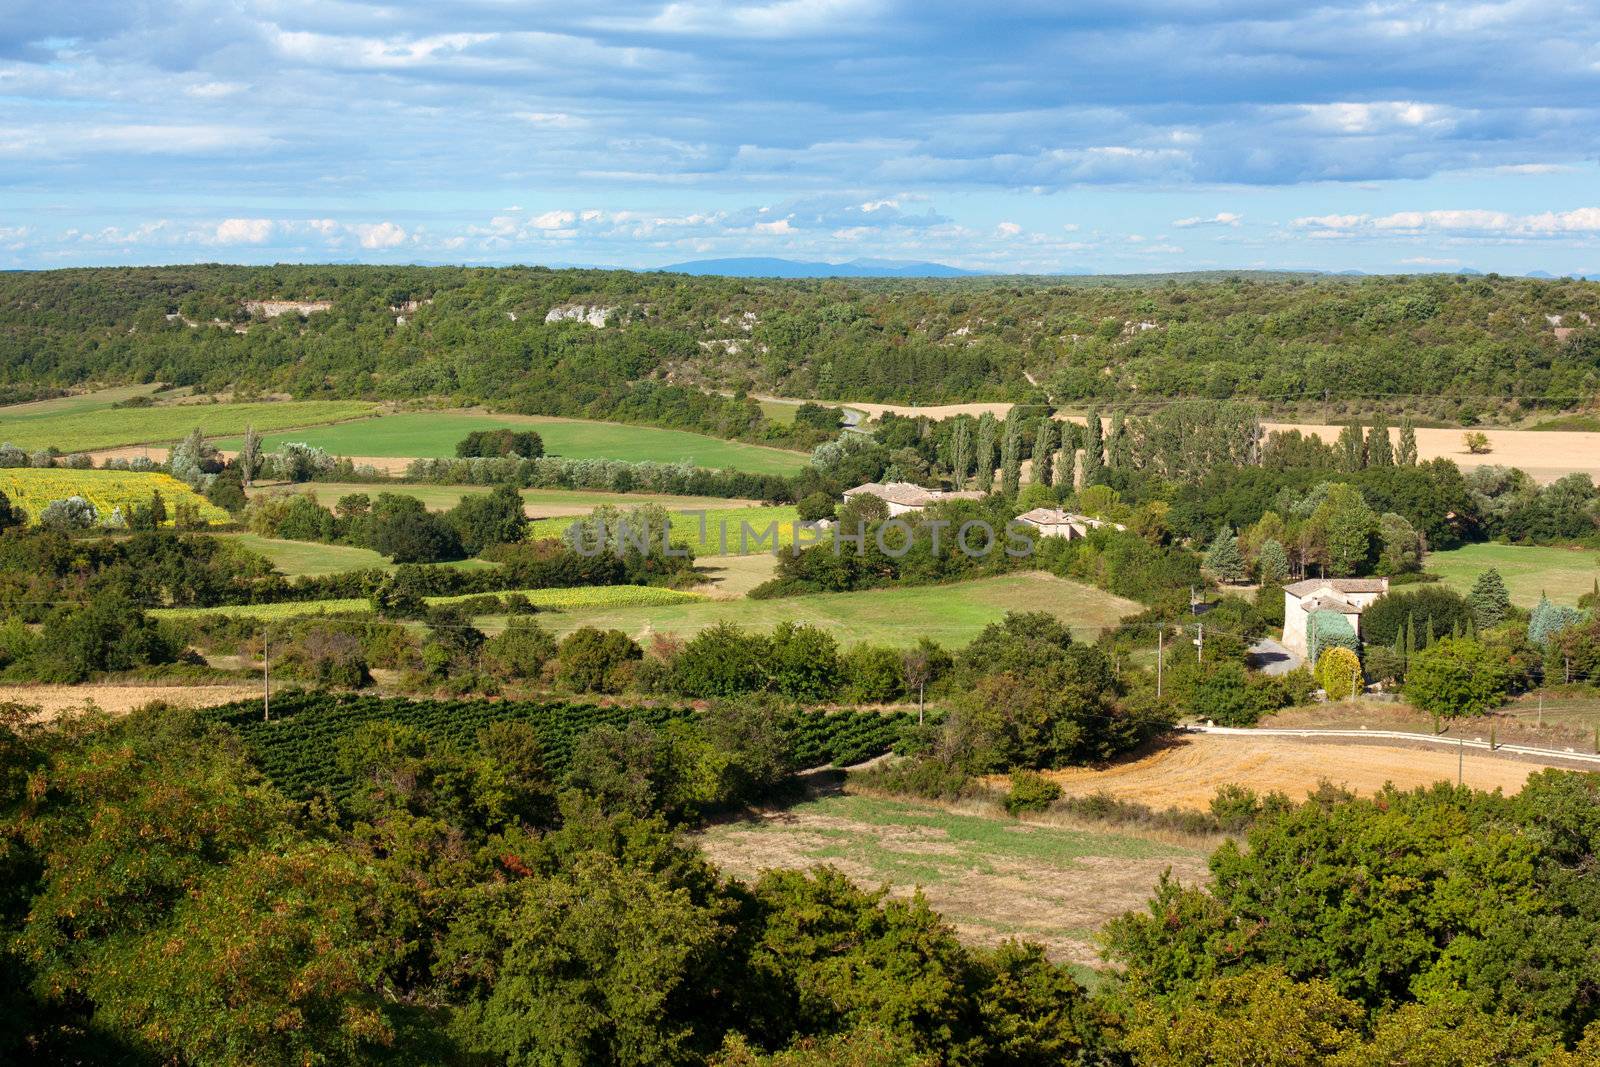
x,y
1578,221
780,226
380,235
1430,261
243,231
1221,218
553,220
1008,229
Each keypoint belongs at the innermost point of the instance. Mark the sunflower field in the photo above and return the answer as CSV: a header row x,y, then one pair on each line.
x,y
35,488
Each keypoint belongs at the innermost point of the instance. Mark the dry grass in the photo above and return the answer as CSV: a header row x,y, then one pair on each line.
x,y
121,698
991,877
1185,771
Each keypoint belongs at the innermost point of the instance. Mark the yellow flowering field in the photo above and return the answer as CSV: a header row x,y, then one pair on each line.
x,y
34,488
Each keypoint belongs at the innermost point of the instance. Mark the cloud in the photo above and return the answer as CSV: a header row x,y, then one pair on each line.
x,y
553,220
379,235
1221,218
1585,220
243,231
1008,229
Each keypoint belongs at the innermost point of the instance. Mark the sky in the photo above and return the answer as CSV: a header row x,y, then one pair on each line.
x,y
1035,136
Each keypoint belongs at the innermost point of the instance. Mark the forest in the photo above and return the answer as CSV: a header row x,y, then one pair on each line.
x,y
682,351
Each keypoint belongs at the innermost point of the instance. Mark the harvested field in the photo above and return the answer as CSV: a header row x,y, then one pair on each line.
x,y
121,699
989,876
1185,771
1545,454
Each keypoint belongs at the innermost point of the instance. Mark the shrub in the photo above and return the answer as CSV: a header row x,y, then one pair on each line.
x,y
816,506
73,513
1338,671
519,651
589,660
873,674
918,776
1329,629
1030,791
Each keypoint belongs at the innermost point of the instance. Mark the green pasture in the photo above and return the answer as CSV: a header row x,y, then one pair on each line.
x,y
1562,574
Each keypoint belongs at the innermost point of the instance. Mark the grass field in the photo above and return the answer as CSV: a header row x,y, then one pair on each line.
x,y
297,558
35,488
991,877
435,433
950,614
95,400
577,597
725,531
1563,574
87,429
541,503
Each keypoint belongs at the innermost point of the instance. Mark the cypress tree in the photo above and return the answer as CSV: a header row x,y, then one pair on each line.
x,y
1044,452
1119,451
1011,457
985,451
1406,456
1380,453
1094,450
1411,637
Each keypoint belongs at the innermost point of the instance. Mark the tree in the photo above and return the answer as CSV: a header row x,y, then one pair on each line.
x,y
249,458
414,536
1272,563
1011,456
590,660
11,515
1400,550
1476,442
815,507
1490,600
1094,452
1224,561
193,459
1352,449
1457,676
493,518
1549,619
984,453
960,452
1406,454
1119,445
1380,451
1044,448
73,513
520,650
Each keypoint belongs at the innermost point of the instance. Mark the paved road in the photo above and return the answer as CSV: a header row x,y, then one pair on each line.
x,y
1270,657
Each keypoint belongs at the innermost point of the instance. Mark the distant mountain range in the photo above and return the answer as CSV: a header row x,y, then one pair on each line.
x,y
769,267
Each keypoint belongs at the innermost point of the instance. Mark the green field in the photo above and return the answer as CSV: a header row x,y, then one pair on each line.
x,y
94,426
542,503
95,400
950,614
577,597
724,532
435,433
297,558
1562,574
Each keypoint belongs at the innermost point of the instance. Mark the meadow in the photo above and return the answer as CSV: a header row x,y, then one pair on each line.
x,y
575,597
91,427
950,614
719,531
1562,574
33,489
435,433
299,558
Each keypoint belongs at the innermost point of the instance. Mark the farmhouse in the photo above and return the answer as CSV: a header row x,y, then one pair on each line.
x,y
905,496
1053,522
1342,596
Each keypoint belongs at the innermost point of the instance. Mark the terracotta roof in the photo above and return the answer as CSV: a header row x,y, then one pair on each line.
x,y
1338,585
1048,517
1331,602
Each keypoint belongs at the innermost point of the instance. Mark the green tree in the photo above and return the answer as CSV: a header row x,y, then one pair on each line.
x,y
1406,453
1457,676
595,661
1224,561
960,452
249,458
1380,450
1338,672
1094,452
1490,600
983,454
1044,449
493,518
1272,563
1011,456
1352,449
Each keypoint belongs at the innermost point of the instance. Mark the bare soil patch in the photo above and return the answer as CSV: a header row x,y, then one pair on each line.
x,y
1185,771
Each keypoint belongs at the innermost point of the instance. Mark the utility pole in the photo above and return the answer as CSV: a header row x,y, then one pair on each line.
x,y
1461,758
1200,644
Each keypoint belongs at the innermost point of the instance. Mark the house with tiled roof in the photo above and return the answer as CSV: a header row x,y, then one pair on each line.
x,y
1054,522
1342,596
906,496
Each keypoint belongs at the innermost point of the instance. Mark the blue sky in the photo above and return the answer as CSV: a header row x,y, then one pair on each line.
x,y
1031,136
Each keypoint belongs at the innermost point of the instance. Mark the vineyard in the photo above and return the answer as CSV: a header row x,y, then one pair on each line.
x,y
297,749
713,531
579,596
35,488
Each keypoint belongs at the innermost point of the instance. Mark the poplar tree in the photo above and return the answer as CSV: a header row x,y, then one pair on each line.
x,y
250,455
1352,449
1011,457
1094,450
1119,448
1044,452
960,453
1380,453
985,451
1406,456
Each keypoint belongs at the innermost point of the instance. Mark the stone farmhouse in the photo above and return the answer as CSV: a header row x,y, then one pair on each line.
x,y
903,497
1345,596
1053,522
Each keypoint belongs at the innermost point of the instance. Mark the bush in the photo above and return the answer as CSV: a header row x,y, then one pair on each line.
x,y
815,507
1329,629
919,776
1338,672
1030,791
589,660
415,537
1227,695
73,513
873,674
519,651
